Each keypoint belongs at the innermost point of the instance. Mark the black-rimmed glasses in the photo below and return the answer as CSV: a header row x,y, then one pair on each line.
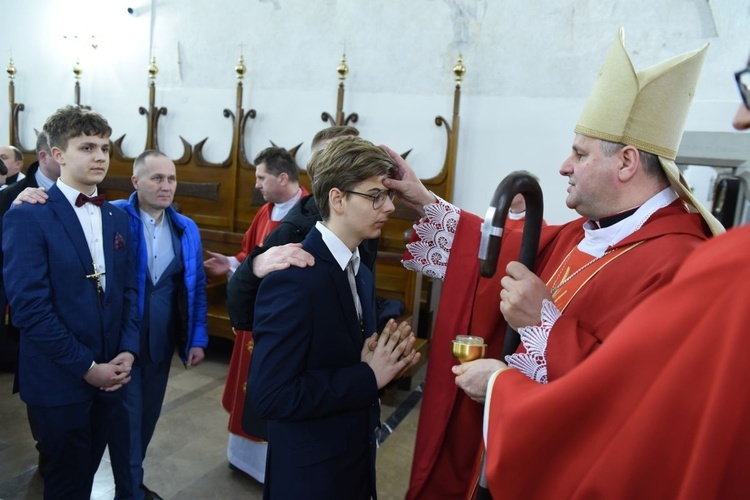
x,y
743,84
378,199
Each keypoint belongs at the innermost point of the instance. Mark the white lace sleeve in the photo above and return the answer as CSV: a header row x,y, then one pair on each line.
x,y
533,362
435,231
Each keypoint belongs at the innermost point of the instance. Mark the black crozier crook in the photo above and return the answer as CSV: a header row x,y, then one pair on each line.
x,y
489,251
492,232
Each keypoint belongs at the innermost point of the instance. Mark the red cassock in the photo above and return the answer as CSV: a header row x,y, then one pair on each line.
x,y
449,431
260,228
235,389
661,410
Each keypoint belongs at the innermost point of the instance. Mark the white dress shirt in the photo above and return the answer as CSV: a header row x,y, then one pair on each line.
x,y
90,217
158,244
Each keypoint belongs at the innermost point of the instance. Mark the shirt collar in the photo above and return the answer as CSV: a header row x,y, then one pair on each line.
x,y
149,219
70,193
597,240
337,247
279,210
42,180
611,220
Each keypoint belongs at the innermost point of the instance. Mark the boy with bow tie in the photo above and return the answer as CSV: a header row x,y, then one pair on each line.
x,y
70,278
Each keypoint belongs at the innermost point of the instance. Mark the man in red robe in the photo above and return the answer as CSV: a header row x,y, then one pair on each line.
x,y
660,411
277,179
638,224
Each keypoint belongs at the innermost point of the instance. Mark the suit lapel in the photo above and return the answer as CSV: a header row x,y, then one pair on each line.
x,y
365,289
72,226
341,283
108,238
175,265
346,299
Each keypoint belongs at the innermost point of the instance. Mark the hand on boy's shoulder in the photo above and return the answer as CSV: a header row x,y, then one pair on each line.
x,y
32,196
281,257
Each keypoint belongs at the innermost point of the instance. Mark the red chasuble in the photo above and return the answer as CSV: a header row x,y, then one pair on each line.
x,y
449,431
661,410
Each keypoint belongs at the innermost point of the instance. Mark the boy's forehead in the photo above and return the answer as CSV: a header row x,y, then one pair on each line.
x,y
374,182
90,138
82,139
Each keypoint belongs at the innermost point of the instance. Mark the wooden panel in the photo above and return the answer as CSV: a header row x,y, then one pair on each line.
x,y
221,241
221,199
224,243
393,281
217,321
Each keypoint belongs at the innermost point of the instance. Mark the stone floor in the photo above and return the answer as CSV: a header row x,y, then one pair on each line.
x,y
187,456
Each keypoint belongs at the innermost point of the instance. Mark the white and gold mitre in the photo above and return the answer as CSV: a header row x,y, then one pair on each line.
x,y
646,109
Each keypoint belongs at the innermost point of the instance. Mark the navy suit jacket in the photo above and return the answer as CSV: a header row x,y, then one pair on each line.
x,y
307,379
64,325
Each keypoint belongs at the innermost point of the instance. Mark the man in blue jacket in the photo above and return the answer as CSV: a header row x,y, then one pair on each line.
x,y
171,302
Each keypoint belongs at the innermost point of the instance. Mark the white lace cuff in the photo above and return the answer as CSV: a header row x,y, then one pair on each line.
x,y
533,362
435,231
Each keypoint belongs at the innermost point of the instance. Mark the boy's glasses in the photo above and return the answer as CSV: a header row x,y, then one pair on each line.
x,y
378,199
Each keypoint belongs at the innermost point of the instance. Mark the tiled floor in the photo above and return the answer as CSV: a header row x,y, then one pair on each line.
x,y
187,457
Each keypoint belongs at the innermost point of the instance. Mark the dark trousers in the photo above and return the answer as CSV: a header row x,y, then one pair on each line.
x,y
74,437
144,398
8,347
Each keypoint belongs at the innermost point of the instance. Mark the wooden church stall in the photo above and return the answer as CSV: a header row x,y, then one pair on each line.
x,y
221,199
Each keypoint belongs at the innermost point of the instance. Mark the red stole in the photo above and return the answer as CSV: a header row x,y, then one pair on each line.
x,y
565,283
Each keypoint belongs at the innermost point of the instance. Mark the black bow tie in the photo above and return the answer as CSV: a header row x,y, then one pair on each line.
x,y
97,200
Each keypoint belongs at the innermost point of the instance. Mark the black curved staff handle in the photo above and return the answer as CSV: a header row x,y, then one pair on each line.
x,y
489,251
494,224
497,213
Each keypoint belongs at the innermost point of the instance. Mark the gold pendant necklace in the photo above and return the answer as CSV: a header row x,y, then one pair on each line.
x,y
559,284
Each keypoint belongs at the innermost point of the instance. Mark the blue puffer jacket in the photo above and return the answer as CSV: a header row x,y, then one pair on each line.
x,y
192,299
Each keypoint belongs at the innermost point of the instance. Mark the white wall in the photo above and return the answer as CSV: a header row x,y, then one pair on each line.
x,y
530,66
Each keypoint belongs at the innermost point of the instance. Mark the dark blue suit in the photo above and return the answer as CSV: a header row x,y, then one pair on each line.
x,y
307,379
64,326
160,329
